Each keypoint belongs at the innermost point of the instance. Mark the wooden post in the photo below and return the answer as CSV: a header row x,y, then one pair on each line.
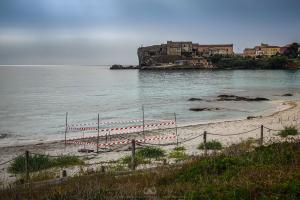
x,y
66,129
133,154
64,173
261,135
143,122
102,169
176,129
98,134
204,142
27,165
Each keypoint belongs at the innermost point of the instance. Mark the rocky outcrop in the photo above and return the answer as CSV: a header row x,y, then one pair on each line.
x,y
123,67
225,97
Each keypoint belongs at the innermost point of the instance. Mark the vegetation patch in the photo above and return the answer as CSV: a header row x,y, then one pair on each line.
x,y
138,160
178,153
180,148
289,130
40,162
266,172
150,152
211,145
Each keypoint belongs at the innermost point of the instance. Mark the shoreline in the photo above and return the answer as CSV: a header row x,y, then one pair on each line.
x,y
275,108
285,113
280,106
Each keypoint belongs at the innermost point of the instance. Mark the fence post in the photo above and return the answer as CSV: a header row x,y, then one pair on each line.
x,y
64,173
204,142
143,122
176,129
261,135
27,165
66,129
102,169
98,135
133,154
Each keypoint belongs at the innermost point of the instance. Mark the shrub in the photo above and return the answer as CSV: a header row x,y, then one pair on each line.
x,y
39,162
289,130
150,152
178,155
138,160
182,148
213,145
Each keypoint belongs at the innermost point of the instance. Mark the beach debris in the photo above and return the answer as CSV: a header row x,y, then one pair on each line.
x,y
85,150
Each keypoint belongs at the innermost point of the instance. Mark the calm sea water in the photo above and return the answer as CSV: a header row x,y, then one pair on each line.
x,y
34,99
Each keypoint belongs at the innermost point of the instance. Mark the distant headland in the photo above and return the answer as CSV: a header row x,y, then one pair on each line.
x,y
189,55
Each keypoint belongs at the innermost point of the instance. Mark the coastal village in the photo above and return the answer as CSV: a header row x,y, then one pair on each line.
x,y
194,55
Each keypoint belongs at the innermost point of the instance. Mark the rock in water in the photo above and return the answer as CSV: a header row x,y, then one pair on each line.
x,y
225,97
195,99
287,95
204,109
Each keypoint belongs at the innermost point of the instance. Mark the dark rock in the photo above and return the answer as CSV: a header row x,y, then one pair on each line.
x,y
238,98
251,117
204,109
3,135
226,96
287,95
259,99
123,67
195,99
116,67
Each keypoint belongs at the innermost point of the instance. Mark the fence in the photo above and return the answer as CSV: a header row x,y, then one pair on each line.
x,y
97,132
172,139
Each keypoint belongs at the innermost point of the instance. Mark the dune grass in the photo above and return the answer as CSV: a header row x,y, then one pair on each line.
x,y
40,162
267,172
178,153
288,130
211,145
150,152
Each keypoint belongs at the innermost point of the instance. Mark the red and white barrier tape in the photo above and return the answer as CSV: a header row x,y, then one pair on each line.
x,y
120,129
114,122
173,136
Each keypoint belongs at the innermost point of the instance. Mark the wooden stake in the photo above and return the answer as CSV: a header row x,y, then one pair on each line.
x,y
176,129
98,134
261,135
66,129
204,142
143,122
27,165
133,154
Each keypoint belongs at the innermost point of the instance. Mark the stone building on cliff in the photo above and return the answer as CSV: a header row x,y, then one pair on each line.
x,y
181,52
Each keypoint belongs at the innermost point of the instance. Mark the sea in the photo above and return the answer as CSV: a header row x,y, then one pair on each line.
x,y
34,100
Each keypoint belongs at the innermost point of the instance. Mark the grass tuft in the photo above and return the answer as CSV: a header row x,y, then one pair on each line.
x,y
150,152
178,153
181,148
211,145
288,130
40,162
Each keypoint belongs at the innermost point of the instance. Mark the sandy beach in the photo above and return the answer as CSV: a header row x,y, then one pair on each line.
x,y
286,113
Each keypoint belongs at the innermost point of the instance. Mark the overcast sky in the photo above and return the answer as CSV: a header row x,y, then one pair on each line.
x,y
110,31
